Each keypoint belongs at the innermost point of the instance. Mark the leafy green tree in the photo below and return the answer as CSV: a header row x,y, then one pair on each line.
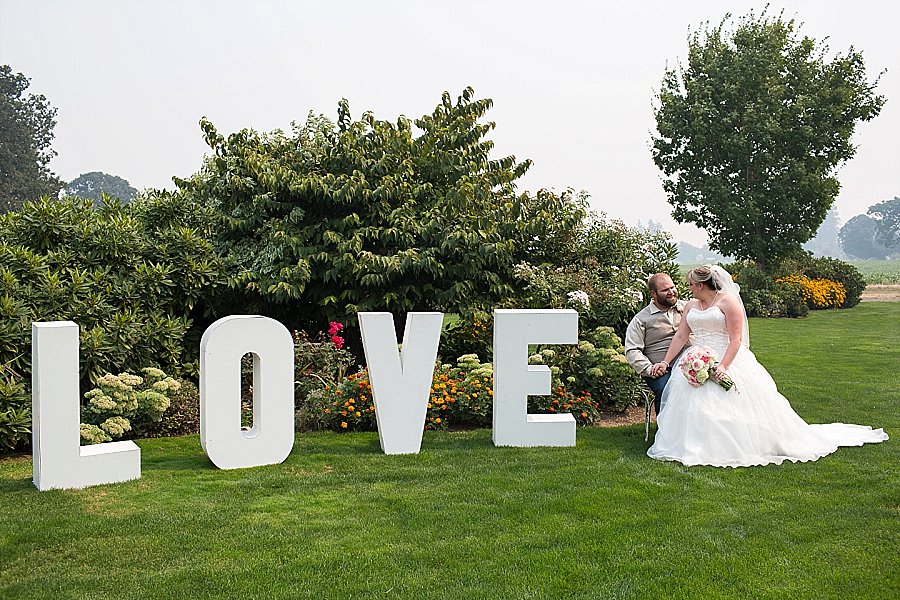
x,y
752,130
362,215
26,132
95,184
887,223
858,238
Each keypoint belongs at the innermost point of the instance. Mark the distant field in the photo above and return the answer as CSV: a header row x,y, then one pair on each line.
x,y
875,272
879,272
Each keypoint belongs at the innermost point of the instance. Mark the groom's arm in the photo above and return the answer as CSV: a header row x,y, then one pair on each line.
x,y
634,348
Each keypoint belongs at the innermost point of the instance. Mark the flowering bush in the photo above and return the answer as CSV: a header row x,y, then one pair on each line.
x,y
345,406
466,390
461,395
468,334
817,293
319,362
333,328
123,403
602,274
763,296
596,367
795,285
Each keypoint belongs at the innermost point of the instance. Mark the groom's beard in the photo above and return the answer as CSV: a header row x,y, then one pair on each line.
x,y
667,301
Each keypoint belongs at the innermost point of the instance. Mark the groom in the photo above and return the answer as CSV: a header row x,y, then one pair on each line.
x,y
650,333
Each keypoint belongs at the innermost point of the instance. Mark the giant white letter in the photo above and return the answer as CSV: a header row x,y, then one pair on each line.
x,y
271,438
400,382
515,379
59,461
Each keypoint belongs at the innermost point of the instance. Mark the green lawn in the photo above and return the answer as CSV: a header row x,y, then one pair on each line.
x,y
466,520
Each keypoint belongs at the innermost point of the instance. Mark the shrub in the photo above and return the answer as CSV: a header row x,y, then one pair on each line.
x,y
125,403
840,272
15,411
181,418
796,284
561,401
817,293
596,368
135,278
763,296
319,362
602,274
467,334
461,396
346,406
465,392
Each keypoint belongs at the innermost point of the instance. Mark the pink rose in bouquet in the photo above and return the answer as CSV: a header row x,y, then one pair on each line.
x,y
698,365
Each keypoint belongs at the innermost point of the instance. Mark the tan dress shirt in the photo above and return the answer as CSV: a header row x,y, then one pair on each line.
x,y
649,335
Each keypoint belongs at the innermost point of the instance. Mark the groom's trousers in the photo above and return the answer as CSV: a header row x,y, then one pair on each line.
x,y
657,386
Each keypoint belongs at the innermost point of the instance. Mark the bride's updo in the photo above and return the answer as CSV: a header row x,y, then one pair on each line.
x,y
704,275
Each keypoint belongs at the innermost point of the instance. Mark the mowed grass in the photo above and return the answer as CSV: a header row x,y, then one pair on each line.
x,y
464,519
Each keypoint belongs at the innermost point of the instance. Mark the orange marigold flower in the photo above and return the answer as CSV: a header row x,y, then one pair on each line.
x,y
343,425
438,420
584,415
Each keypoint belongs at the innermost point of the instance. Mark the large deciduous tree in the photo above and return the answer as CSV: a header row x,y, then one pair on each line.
x,y
858,238
26,132
362,215
750,133
94,185
887,223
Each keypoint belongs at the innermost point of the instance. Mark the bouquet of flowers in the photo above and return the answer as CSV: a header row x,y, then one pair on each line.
x,y
698,364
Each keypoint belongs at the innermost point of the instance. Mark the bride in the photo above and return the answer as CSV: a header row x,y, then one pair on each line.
x,y
750,424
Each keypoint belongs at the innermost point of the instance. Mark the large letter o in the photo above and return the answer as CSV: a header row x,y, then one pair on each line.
x,y
271,438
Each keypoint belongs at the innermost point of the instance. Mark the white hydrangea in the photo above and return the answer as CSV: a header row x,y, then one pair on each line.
x,y
579,298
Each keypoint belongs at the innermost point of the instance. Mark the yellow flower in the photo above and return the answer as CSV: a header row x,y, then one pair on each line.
x,y
358,414
343,425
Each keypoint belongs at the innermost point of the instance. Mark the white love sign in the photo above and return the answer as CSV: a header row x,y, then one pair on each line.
x,y
401,381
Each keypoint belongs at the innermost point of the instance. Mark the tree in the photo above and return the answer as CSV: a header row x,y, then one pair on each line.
x,y
858,239
362,215
887,223
26,132
751,132
827,241
93,185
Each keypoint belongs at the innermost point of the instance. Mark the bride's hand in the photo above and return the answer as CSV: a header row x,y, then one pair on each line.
x,y
719,373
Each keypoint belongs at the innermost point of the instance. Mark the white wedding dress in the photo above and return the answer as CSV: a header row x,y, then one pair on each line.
x,y
751,424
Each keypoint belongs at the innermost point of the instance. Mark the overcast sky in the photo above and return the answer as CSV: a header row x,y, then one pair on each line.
x,y
572,82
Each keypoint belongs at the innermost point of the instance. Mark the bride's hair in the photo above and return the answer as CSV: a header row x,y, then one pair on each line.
x,y
705,276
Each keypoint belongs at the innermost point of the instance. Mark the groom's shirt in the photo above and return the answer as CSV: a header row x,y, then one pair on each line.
x,y
650,334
